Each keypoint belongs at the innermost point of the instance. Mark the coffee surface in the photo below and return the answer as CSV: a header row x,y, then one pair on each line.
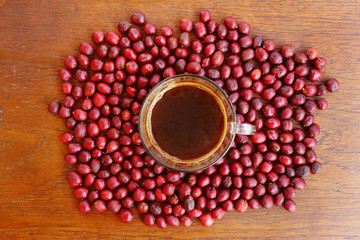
x,y
187,122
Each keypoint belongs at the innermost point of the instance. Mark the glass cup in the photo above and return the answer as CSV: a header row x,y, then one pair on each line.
x,y
231,126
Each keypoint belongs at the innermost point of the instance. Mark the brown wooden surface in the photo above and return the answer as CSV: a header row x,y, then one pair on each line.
x,y
36,201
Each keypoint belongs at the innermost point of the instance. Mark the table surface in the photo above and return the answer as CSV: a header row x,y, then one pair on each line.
x,y
36,201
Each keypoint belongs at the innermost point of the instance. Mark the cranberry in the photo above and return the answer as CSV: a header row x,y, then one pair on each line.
x,y
86,48
261,54
319,63
272,188
186,221
315,75
289,78
321,90
114,206
206,220
314,130
84,206
244,28
167,31
312,53
321,103
268,93
258,137
70,62
280,102
298,84
160,222
289,192
74,148
287,51
211,26
258,87
257,42
289,171
267,201
303,171
74,179
269,45
93,196
260,190
98,37
138,18
186,25
299,183
179,210
228,205
134,34
200,29
241,205
279,199
232,35
247,54
123,26
54,107
149,219
217,59
205,16
112,38
300,58
332,85
290,205
126,215
172,220
275,58
301,70
315,167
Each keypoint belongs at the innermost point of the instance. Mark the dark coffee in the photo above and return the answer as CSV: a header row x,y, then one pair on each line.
x,y
187,122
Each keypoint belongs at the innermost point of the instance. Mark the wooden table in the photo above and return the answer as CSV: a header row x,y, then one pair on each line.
x,y
36,201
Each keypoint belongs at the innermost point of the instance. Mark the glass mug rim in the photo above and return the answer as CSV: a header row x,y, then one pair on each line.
x,y
223,96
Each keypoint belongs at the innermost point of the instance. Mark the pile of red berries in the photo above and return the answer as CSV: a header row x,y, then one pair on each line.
x,y
274,88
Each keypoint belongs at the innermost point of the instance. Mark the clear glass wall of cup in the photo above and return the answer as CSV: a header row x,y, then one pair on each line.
x,y
190,165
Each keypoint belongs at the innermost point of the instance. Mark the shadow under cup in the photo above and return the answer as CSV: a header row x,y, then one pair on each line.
x,y
173,162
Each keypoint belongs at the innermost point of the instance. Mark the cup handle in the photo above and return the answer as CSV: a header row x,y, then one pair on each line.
x,y
245,129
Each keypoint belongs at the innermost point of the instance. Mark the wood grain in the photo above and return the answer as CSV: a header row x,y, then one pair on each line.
x,y
36,201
